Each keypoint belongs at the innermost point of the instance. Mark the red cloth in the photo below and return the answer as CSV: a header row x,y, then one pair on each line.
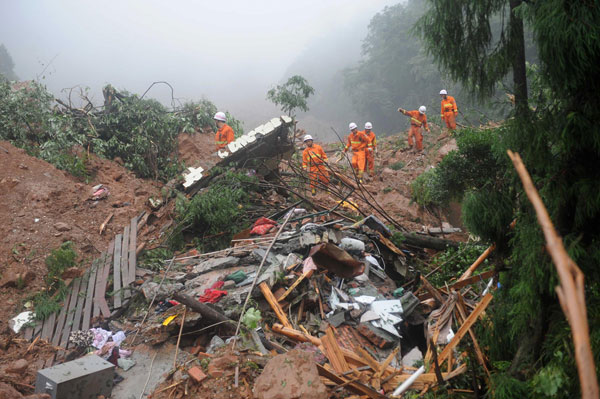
x,y
262,226
213,294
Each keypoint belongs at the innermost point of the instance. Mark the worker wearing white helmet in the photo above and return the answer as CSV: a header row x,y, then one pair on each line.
x,y
371,148
224,133
418,119
449,110
314,161
358,141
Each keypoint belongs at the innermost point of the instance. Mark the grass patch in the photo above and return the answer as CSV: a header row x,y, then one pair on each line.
x,y
397,165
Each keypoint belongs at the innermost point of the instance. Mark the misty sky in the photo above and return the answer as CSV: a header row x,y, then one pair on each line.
x,y
229,51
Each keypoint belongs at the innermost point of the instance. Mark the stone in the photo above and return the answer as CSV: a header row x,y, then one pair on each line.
x,y
149,288
216,264
292,375
18,367
215,343
62,226
414,355
222,366
197,374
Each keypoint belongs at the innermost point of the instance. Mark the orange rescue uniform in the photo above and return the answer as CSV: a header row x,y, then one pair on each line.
x,y
224,136
449,112
358,142
417,120
370,149
313,159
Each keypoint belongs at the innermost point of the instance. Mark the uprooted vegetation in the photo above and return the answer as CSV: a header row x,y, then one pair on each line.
x,y
140,132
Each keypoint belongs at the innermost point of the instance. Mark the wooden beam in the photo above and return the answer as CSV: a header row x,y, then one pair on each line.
x,y
89,298
264,288
478,352
100,305
432,290
125,263
333,352
132,250
478,262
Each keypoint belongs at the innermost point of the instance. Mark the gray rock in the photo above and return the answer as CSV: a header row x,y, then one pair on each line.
x,y
216,264
150,288
215,343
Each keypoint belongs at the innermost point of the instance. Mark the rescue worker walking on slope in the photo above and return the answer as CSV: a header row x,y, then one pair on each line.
x,y
449,110
224,133
418,119
371,148
313,161
358,142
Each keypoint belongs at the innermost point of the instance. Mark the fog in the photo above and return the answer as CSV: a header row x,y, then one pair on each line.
x,y
230,52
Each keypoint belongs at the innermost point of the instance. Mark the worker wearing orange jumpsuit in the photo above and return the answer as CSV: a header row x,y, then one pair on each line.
x,y
418,119
358,142
313,161
371,148
449,110
224,133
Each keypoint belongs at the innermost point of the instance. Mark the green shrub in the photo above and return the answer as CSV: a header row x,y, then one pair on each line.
x,y
58,261
397,165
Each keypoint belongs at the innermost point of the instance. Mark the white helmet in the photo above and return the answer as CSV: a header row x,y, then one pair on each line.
x,y
220,116
307,137
368,125
443,91
422,109
352,126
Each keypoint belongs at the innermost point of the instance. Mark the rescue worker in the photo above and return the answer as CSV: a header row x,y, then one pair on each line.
x,y
224,133
449,110
371,148
418,119
313,161
358,142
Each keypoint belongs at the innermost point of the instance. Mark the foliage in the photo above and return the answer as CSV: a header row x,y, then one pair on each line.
x,y
141,132
154,259
6,64
292,95
424,189
453,262
560,145
251,318
214,215
397,165
50,300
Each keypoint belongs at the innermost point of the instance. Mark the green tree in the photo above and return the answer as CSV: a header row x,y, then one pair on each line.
x,y
292,95
459,35
6,64
560,144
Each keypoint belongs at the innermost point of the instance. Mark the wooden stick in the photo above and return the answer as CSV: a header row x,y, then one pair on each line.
x,y
237,329
465,327
571,291
478,262
478,353
103,225
264,288
179,336
308,274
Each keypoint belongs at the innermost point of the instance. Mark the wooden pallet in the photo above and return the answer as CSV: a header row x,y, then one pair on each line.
x,y
87,298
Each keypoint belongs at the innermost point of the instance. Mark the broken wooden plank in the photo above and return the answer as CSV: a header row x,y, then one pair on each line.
x,y
353,386
308,274
89,299
64,339
432,290
125,263
28,334
334,352
478,352
117,301
100,305
264,288
132,250
465,327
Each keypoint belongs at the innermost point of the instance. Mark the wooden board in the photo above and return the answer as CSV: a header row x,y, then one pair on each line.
x,y
117,302
100,305
28,334
48,327
89,297
37,329
80,301
125,263
333,352
274,304
60,323
64,338
132,247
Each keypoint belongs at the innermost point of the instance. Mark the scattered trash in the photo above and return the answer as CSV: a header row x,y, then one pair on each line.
x,y
17,322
